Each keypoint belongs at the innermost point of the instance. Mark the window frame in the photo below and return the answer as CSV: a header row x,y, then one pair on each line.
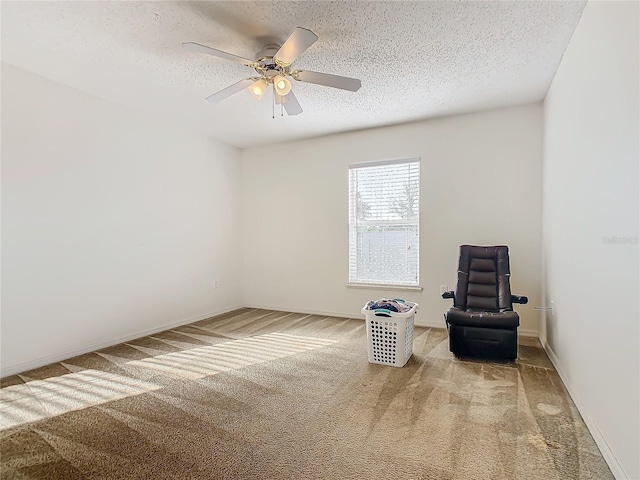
x,y
381,284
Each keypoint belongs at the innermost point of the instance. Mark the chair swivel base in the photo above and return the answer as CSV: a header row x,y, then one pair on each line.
x,y
466,341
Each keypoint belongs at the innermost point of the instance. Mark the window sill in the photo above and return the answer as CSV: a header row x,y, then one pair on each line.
x,y
377,286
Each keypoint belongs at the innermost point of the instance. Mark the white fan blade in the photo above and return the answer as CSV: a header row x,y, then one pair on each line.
x,y
294,46
290,103
196,47
231,89
328,80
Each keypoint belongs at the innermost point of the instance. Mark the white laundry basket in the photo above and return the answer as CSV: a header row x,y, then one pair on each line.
x,y
390,335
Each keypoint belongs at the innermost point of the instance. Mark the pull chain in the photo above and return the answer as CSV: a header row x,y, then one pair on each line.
x,y
273,105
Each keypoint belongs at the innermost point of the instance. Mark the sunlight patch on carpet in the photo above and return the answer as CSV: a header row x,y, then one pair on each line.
x,y
54,396
40,399
205,361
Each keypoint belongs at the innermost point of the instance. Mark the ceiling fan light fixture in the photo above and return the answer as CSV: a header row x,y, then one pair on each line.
x,y
258,88
282,85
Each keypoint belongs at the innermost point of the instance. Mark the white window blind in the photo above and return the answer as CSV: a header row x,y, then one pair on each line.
x,y
384,223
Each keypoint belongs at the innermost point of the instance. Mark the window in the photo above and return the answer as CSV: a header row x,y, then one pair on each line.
x,y
384,223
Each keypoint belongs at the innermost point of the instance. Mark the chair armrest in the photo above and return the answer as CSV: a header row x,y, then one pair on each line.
x,y
519,299
450,294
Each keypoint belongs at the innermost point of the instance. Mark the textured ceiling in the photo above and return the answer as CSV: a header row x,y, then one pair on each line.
x,y
416,60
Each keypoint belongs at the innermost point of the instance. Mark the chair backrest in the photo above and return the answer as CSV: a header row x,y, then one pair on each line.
x,y
483,279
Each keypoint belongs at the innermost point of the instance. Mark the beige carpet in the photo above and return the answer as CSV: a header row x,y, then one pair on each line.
x,y
273,395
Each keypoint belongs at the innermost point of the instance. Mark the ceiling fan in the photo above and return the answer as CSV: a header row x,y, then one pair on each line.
x,y
273,66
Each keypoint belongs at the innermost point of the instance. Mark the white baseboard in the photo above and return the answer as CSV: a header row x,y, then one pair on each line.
x,y
528,332
42,361
419,323
427,324
307,311
325,313
609,457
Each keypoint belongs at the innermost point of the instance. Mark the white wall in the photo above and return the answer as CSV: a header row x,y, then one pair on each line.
x,y
591,196
113,223
481,184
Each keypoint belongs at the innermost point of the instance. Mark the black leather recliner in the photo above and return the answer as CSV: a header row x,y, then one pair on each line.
x,y
482,321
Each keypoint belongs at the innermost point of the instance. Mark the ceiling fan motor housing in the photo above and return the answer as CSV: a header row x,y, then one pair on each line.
x,y
266,66
267,52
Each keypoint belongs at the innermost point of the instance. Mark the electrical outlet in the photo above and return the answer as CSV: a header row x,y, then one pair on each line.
x,y
443,288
